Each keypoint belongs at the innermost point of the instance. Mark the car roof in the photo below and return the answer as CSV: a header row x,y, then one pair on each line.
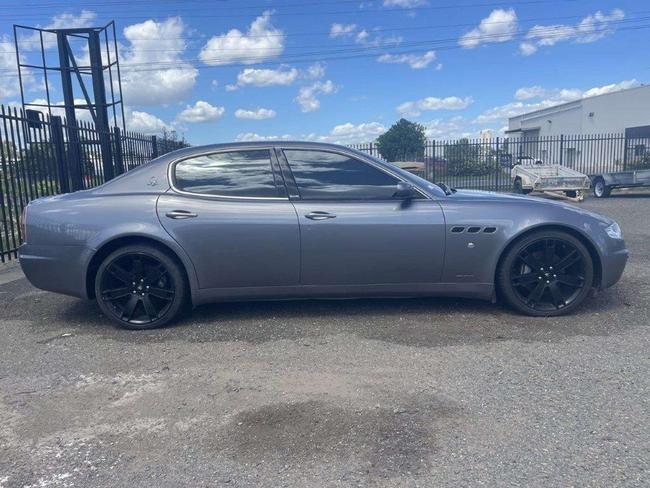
x,y
270,143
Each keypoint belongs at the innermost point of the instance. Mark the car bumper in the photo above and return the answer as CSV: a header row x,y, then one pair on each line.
x,y
55,268
613,265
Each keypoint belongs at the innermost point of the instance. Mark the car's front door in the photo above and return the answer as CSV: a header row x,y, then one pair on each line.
x,y
354,230
230,212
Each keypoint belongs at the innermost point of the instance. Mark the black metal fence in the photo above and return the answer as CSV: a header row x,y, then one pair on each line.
x,y
42,156
486,163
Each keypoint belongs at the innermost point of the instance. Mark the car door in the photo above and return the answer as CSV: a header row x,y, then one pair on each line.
x,y
354,231
230,212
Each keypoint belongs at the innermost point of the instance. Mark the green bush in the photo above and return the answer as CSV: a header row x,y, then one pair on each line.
x,y
464,159
404,141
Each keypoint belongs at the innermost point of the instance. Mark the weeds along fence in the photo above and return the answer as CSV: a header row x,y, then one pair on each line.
x,y
42,156
486,163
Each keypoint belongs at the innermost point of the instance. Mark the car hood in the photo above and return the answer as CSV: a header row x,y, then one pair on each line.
x,y
474,195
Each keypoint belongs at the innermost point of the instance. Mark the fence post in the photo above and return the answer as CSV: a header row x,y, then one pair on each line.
x,y
561,149
154,147
59,151
497,166
117,154
73,157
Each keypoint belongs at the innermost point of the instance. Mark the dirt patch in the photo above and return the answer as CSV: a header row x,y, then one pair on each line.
x,y
378,441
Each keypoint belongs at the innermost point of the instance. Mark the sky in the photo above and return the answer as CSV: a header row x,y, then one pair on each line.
x,y
339,71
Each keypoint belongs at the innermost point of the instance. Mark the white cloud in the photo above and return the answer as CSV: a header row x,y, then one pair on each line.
x,y
201,112
413,109
58,109
527,48
545,98
590,29
254,136
364,37
63,21
257,114
499,26
307,95
601,90
453,128
155,43
404,3
314,71
347,133
262,42
29,41
9,86
415,61
342,30
144,122
264,77
527,92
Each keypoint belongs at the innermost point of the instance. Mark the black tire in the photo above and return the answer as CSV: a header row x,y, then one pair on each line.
x,y
140,287
518,187
601,190
546,273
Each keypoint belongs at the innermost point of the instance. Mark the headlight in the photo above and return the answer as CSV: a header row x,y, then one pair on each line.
x,y
614,231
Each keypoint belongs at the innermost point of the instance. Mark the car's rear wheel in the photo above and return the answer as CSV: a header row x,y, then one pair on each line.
x,y
601,190
546,273
140,287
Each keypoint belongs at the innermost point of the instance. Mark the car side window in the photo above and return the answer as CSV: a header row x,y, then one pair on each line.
x,y
231,174
323,175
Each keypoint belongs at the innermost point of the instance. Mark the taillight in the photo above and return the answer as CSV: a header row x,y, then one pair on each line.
x,y
23,224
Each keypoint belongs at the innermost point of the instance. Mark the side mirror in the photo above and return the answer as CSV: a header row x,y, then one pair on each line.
x,y
404,191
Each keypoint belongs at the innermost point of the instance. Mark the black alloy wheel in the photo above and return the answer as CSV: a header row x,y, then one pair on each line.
x,y
547,273
140,287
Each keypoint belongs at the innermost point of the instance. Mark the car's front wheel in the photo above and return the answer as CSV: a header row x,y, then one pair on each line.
x,y
546,273
140,287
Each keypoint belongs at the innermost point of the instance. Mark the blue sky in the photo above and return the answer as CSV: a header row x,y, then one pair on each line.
x,y
345,70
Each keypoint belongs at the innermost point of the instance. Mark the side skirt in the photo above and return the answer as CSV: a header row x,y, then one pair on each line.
x,y
483,291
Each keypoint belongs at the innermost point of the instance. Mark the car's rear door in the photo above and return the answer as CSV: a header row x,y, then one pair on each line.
x,y
230,212
353,229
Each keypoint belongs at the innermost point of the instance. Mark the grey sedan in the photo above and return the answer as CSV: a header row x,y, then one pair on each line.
x,y
254,221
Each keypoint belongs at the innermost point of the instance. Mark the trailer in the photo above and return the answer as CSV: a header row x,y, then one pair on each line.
x,y
551,178
604,183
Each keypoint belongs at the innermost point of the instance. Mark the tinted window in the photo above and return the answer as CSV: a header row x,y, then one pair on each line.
x,y
237,173
325,175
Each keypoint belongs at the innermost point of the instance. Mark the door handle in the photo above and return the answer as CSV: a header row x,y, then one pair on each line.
x,y
181,214
318,215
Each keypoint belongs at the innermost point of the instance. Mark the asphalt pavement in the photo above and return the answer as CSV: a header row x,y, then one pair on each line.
x,y
412,392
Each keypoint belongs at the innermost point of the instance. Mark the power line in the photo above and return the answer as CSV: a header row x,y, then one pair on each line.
x,y
309,57
372,31
338,12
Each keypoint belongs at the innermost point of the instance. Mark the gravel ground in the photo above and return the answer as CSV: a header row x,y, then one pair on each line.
x,y
332,393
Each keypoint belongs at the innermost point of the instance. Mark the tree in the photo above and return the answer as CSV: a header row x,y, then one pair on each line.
x,y
404,141
464,159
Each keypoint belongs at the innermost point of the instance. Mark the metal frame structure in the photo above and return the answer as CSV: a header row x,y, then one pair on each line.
x,y
97,102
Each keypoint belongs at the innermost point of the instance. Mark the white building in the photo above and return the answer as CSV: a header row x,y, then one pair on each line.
x,y
613,112
594,134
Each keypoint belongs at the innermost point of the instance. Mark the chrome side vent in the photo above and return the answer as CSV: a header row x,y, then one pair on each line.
x,y
457,230
473,230
490,230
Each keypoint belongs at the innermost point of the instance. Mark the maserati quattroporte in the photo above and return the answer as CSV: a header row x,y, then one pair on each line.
x,y
252,221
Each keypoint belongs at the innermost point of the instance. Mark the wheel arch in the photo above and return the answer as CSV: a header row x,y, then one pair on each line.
x,y
124,240
583,238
